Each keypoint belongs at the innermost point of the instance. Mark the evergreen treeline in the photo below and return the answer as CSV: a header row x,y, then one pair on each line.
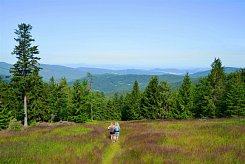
x,y
217,95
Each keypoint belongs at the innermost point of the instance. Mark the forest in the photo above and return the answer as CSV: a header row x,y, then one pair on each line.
x,y
216,96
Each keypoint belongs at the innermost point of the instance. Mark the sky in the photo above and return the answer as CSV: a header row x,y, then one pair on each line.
x,y
128,33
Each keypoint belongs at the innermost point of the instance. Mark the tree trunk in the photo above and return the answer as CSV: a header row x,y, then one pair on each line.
x,y
91,111
25,111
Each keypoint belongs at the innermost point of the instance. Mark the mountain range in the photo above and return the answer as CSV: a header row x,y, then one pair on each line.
x,y
110,81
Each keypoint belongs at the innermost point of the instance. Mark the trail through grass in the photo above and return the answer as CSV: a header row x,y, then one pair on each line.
x,y
114,149
111,151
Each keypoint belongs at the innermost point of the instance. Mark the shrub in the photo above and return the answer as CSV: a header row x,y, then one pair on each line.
x,y
33,123
15,125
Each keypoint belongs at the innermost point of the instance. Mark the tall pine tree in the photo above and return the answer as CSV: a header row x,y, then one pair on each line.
x,y
131,108
27,62
185,98
235,96
217,82
150,102
203,103
166,101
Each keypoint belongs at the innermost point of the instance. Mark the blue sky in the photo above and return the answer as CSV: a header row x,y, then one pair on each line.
x,y
130,33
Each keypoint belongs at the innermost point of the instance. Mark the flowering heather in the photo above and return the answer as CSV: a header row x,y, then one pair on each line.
x,y
193,141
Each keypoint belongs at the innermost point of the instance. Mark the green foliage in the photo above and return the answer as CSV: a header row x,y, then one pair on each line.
x,y
15,125
203,102
5,112
25,53
26,67
235,97
131,108
185,99
37,100
167,101
5,117
81,118
150,103
217,82
33,123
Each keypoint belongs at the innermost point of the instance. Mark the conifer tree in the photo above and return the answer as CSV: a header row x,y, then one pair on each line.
x,y
217,82
131,108
76,98
37,99
99,106
203,103
126,110
235,97
150,103
27,62
63,95
136,97
185,98
166,102
116,107
5,112
52,96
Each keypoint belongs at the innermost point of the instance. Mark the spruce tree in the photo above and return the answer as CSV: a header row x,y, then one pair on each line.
x,y
79,109
150,102
235,96
185,98
217,82
99,106
117,107
203,103
131,108
166,102
5,101
37,99
63,96
126,110
27,62
135,102
52,96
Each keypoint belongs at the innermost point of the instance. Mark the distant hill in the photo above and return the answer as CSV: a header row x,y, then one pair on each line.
x,y
59,71
110,81
4,68
205,73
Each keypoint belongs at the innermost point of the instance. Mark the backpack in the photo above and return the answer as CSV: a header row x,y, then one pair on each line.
x,y
116,129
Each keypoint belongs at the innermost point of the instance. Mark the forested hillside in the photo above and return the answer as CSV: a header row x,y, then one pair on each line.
x,y
112,81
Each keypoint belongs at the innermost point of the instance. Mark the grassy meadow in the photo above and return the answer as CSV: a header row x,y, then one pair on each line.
x,y
192,141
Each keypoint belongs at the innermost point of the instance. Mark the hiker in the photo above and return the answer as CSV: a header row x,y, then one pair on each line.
x,y
116,130
111,130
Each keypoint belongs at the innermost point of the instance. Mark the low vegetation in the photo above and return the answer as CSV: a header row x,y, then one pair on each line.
x,y
193,141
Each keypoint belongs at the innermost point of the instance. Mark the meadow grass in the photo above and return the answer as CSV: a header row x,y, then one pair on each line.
x,y
192,141
55,144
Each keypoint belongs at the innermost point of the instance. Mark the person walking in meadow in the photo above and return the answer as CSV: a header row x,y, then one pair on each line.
x,y
116,130
111,130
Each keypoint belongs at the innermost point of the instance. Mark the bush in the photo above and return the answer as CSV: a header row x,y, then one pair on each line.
x,y
33,123
15,125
